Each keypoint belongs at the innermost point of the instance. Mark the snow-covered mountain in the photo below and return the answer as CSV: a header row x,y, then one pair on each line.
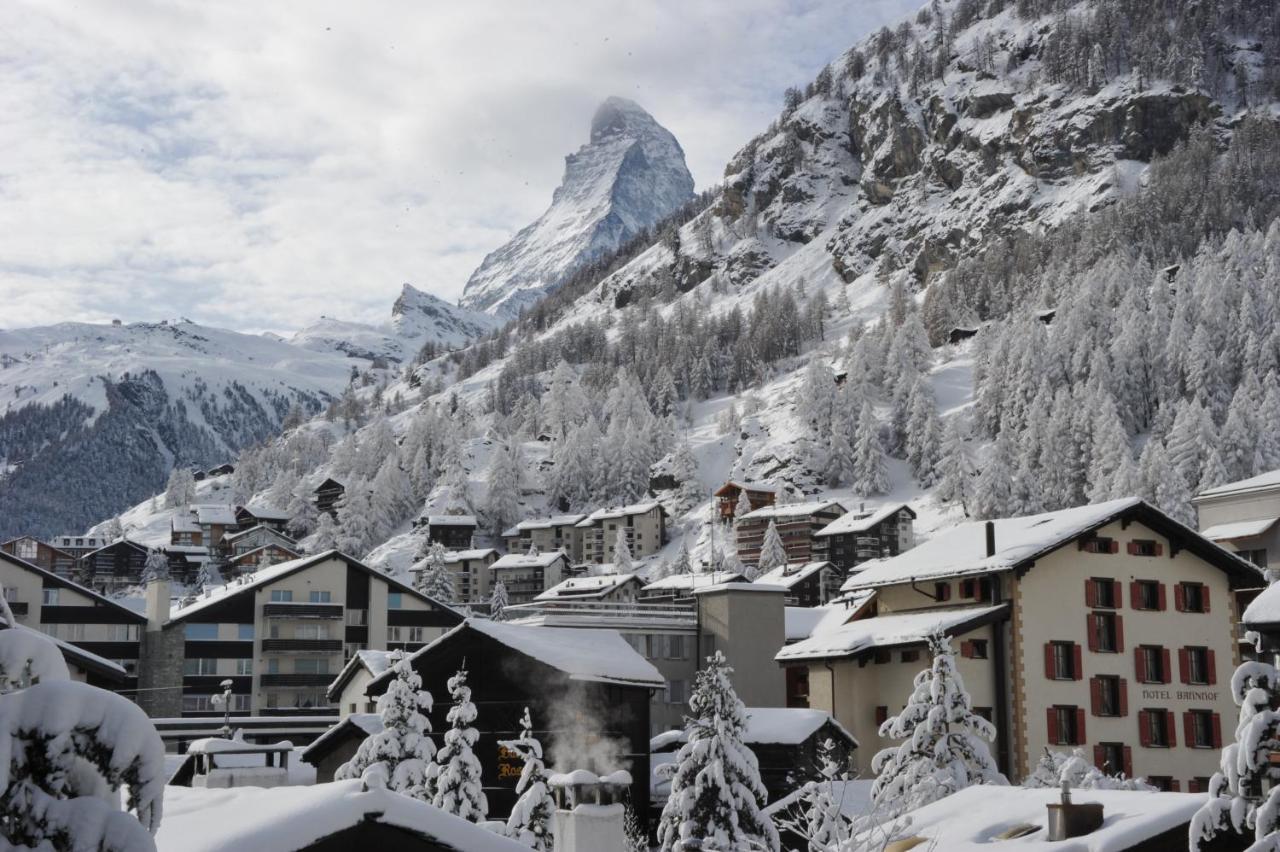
x,y
628,177
417,318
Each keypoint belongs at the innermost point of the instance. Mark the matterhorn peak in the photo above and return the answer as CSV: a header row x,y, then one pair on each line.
x,y
629,176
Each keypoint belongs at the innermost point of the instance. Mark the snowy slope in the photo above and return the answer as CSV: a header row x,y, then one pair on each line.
x,y
629,176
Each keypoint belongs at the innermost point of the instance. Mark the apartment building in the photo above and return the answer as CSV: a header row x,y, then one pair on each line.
x,y
797,524
79,545
470,569
609,588
1243,517
644,526
31,549
865,534
1108,628
808,584
526,576
99,637
558,532
452,531
279,635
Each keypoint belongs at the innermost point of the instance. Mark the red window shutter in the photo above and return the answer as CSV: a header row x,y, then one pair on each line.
x,y
1052,718
966,649
1131,548
1144,728
1128,762
1164,664
1175,786
1124,697
1095,696
1117,593
1140,665
944,591
1135,595
1204,596
1090,593
882,714
1081,738
1163,604
1099,757
1115,546
1048,661
1193,786
966,588
1159,549
1119,633
1188,728
1212,666
1184,665
1179,599
1217,731
1171,728
1077,664
1091,631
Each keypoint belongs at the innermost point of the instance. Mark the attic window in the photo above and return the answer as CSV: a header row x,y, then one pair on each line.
x,y
1098,544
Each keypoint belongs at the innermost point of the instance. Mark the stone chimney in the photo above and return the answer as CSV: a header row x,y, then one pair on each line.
x,y
157,600
991,538
590,816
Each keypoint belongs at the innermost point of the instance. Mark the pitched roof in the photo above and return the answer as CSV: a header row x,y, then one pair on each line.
x,y
793,510
861,521
611,512
373,662
588,587
543,524
524,560
184,522
272,573
451,521
789,575
359,724
602,656
260,530
52,579
743,485
462,555
1019,542
887,631
1238,529
240,557
1262,482
772,726
265,512
215,513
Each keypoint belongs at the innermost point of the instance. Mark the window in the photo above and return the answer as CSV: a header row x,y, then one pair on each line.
x,y
675,692
983,712
1099,545
304,666
1259,558
273,700
910,656
1155,729
675,647
122,632
416,634
1163,783
942,591
49,597
311,631
200,632
394,634
196,704
394,600
974,649
1104,594
200,666
1199,784
1145,547
244,667
349,650
882,714
1104,632
1152,664
281,596
1113,758
1147,595
1197,665
1202,729
1109,696
11,594
882,655
1066,725
1062,661
319,597
240,703
27,549
357,617
273,632
1191,597
244,632
273,665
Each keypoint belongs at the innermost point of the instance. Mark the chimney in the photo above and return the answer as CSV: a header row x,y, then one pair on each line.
x,y
991,538
157,602
589,811
1068,819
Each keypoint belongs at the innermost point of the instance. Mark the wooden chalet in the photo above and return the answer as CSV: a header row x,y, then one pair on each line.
x,y
41,553
268,554
453,531
759,495
866,534
118,564
248,517
328,494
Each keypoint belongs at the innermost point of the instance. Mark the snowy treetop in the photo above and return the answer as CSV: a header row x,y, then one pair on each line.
x,y
1265,608
862,521
768,726
884,630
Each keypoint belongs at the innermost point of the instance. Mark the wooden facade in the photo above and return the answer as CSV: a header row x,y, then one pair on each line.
x,y
758,496
328,494
41,553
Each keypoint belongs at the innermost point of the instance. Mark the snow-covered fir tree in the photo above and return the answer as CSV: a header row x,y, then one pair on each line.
x,y
181,488
743,506
498,600
401,753
530,821
817,816
432,576
83,767
503,505
870,475
716,792
1244,794
622,563
685,469
945,743
1077,771
773,554
156,566
457,781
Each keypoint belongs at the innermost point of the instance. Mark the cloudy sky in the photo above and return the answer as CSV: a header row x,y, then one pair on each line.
x,y
255,165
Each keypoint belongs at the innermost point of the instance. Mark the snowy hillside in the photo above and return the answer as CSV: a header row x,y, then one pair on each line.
x,y
417,319
627,178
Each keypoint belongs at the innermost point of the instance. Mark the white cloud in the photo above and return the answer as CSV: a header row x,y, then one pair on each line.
x,y
255,165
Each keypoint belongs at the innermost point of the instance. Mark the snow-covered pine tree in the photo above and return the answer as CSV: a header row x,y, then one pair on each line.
x,y
992,490
433,577
716,791
870,475
69,749
944,749
530,822
456,479
1075,768
503,504
634,832
743,505
156,567
622,563
1244,795
924,433
685,468
114,529
402,751
457,781
498,600
301,507
817,816
181,488
326,534
955,475
773,554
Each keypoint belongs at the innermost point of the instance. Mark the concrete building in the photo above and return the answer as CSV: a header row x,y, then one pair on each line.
x,y
796,523
559,532
865,534
527,576
470,569
644,525
79,545
280,635
1106,627
606,588
1243,516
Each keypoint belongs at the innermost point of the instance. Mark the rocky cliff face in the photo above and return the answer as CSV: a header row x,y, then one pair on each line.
x,y
629,176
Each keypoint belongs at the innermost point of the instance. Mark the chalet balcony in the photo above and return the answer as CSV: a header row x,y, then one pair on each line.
x,y
867,541
302,610
296,680
303,646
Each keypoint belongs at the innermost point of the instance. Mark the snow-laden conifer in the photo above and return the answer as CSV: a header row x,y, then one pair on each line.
x,y
870,476
432,575
156,566
498,600
1076,770
743,506
530,821
457,779
622,563
401,753
773,554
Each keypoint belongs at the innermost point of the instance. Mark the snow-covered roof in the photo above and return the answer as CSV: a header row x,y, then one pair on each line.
x,y
1261,482
1265,608
963,550
740,586
853,797
221,745
612,512
543,524
856,522
887,631
266,513
587,587
768,726
793,510
260,530
804,621
285,819
583,654
789,575
374,662
365,723
451,521
215,513
1238,529
243,557
185,522
743,485
525,560
462,555
969,820
684,582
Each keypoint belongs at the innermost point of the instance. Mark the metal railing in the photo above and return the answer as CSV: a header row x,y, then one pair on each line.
x,y
281,609
304,646
679,614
